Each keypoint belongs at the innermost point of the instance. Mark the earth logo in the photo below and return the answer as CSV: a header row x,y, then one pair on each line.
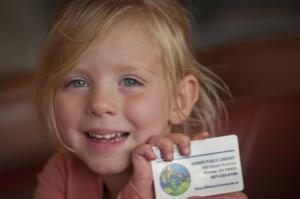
x,y
175,179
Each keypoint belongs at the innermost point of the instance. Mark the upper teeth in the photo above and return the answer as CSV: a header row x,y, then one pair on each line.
x,y
106,136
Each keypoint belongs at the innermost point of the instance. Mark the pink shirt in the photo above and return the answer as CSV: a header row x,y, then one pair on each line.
x,y
67,177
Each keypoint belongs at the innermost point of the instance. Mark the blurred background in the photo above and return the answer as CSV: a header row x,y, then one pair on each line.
x,y
253,45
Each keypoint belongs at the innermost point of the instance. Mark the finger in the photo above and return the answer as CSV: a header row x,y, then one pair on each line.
x,y
201,136
182,141
165,145
235,195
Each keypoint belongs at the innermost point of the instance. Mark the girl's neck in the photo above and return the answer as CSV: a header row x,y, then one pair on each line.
x,y
114,183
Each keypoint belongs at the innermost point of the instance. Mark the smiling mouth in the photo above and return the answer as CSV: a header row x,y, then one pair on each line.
x,y
107,138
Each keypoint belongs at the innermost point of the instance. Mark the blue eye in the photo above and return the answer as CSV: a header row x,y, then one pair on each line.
x,y
77,83
129,82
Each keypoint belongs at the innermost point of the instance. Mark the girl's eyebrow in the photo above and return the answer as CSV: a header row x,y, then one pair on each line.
x,y
77,71
136,67
118,68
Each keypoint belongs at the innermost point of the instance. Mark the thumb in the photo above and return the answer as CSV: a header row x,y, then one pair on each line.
x,y
142,171
141,158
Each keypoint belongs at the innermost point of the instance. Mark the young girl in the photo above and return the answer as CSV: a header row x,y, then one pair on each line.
x,y
118,77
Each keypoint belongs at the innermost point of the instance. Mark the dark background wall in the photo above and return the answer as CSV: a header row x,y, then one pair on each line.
x,y
24,24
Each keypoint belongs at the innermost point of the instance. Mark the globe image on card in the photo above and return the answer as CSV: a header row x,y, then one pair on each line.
x,y
175,179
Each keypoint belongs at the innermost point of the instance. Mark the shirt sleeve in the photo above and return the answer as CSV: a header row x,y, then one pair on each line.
x,y
51,180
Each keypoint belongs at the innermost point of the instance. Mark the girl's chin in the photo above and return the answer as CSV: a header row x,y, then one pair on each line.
x,y
106,167
109,169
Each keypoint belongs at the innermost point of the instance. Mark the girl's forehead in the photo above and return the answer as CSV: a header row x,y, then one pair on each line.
x,y
125,42
123,29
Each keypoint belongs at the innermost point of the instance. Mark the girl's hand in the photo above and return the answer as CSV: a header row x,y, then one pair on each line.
x,y
142,180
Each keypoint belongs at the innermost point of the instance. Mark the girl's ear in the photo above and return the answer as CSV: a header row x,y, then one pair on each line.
x,y
186,96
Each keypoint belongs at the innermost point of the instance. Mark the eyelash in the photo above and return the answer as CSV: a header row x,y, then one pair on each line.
x,y
72,83
130,82
126,82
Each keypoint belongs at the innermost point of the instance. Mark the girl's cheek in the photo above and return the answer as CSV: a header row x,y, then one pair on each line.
x,y
66,111
137,106
147,114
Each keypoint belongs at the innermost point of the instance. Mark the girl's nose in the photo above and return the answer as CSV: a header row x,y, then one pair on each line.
x,y
101,103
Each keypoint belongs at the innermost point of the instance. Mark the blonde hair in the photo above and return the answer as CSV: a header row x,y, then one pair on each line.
x,y
80,22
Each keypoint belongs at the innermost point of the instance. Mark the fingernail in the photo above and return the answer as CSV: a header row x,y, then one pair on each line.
x,y
206,134
187,151
140,152
170,156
